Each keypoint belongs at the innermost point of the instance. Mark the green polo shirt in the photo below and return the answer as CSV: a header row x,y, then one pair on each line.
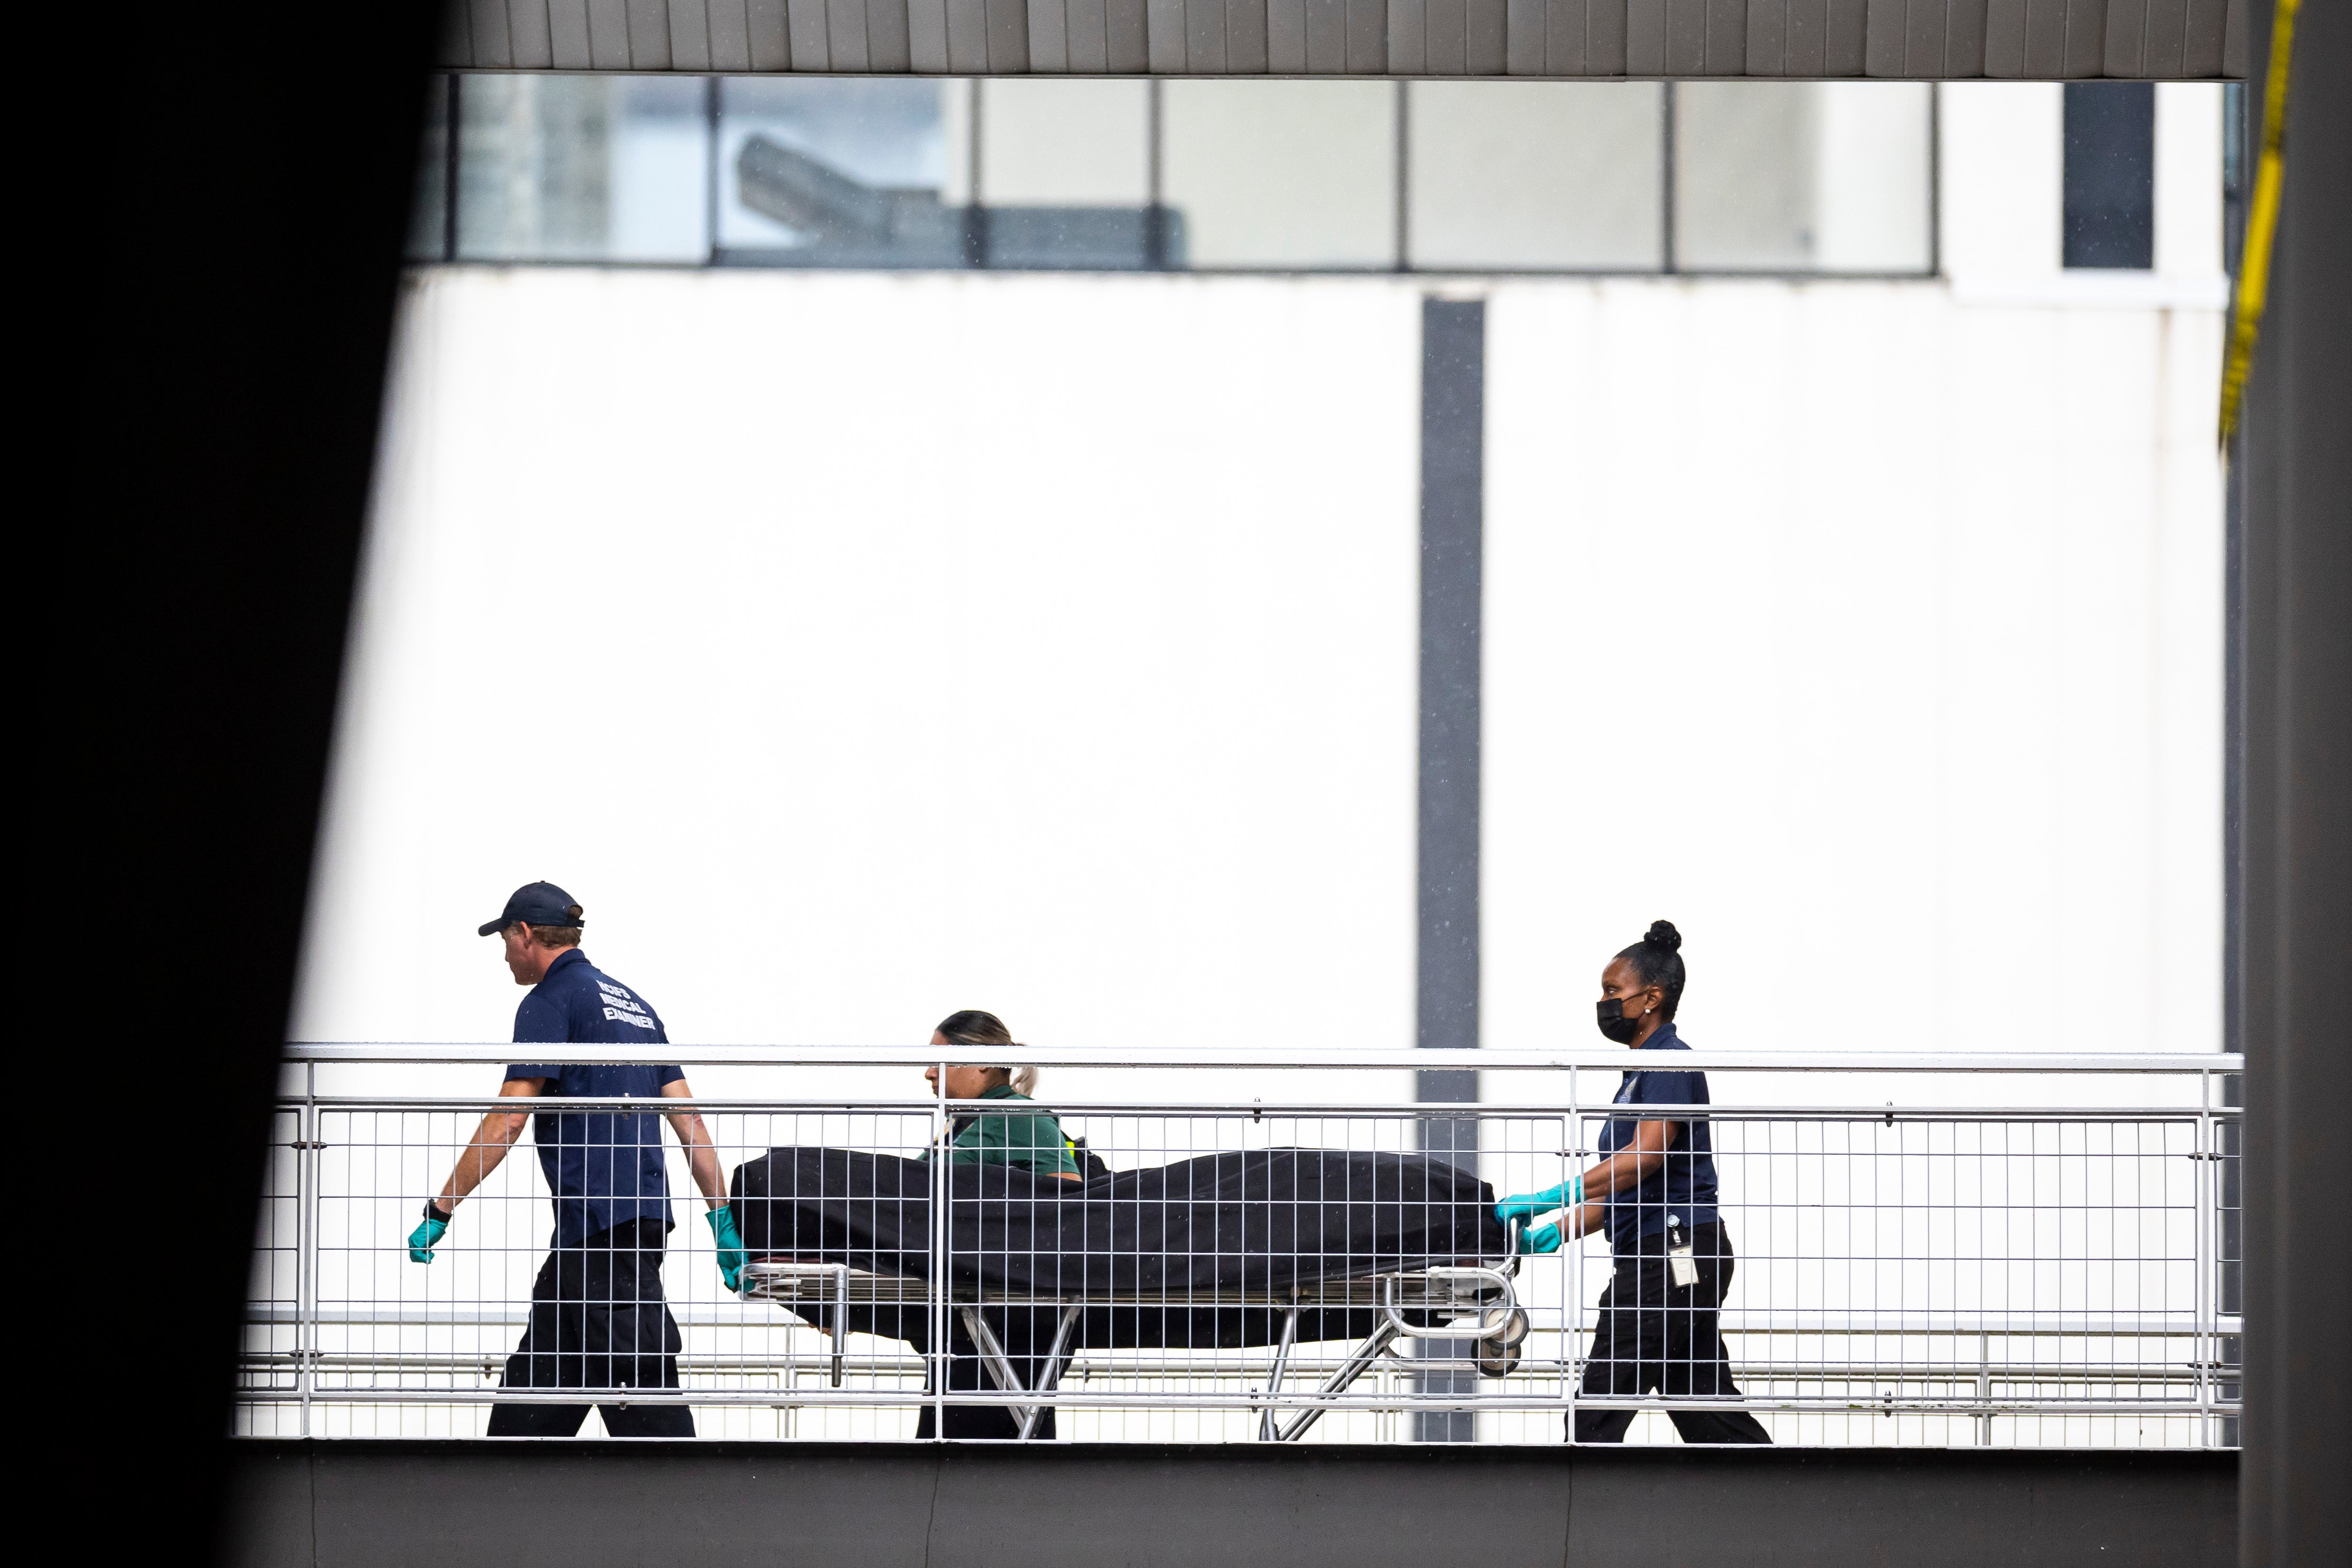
x,y
1032,1143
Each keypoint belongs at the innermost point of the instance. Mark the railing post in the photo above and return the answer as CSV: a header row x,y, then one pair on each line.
x,y
939,1304
1984,1388
1572,1309
2204,1193
306,1241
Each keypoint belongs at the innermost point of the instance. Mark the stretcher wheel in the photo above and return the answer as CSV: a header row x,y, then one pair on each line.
x,y
1498,1356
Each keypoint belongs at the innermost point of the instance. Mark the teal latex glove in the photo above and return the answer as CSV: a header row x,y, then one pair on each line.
x,y
1527,1204
1545,1238
731,1255
424,1239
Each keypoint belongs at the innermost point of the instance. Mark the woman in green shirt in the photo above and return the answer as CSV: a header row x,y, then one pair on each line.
x,y
1031,1140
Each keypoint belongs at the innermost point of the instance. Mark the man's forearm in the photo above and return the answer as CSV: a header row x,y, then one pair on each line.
x,y
484,1155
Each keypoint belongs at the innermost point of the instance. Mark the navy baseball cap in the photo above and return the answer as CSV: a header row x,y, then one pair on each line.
x,y
536,904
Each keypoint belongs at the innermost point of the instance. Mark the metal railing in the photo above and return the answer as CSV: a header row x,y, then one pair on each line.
x,y
1991,1249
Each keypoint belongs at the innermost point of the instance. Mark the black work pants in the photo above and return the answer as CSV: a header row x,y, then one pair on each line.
x,y
1019,1331
598,1320
1655,1335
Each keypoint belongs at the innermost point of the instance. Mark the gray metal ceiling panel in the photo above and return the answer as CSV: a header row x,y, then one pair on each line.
x,y
2045,37
1964,39
488,29
1806,52
1686,38
1885,37
1049,37
1910,39
1286,38
1324,40
730,36
608,34
1246,37
649,36
967,38
1726,37
1847,38
1487,49
1768,37
1645,37
1923,40
807,19
689,34
844,34
1127,36
529,35
886,42
2087,37
1446,37
1008,37
769,35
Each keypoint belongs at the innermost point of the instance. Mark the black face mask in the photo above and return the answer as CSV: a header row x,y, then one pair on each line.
x,y
1615,1023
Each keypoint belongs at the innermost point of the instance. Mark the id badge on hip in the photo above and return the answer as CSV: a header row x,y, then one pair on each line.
x,y
1681,1266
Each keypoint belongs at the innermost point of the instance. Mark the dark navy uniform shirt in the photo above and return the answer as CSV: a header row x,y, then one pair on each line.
x,y
604,1168
1683,1187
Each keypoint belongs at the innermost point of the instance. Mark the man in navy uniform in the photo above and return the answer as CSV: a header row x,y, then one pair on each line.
x,y
598,1318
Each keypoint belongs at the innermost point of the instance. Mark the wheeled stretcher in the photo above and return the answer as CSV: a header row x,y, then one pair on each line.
x,y
1268,1248
1421,1301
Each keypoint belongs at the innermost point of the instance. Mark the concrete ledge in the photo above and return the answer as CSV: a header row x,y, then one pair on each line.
x,y
574,1504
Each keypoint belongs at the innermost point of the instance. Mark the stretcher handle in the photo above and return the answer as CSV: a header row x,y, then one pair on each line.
x,y
1488,1325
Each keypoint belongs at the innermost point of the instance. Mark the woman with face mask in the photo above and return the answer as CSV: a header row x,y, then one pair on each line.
x,y
1654,1188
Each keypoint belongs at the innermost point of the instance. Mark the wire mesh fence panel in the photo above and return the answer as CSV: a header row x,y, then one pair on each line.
x,y
878,1265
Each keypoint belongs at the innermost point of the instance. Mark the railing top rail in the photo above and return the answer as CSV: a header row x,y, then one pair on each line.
x,y
1499,1060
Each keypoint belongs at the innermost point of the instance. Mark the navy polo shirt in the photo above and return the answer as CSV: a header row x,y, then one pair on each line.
x,y
604,1168
1684,1184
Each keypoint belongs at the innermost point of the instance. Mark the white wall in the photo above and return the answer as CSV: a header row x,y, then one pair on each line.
x,y
1871,638
859,649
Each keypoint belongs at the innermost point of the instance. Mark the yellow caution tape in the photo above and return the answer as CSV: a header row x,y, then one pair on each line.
x,y
2262,222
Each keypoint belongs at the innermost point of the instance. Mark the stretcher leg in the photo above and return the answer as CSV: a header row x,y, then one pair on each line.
x,y
1049,1376
1269,1430
991,1352
1349,1370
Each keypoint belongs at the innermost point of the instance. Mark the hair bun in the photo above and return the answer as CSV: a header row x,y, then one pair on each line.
x,y
1661,934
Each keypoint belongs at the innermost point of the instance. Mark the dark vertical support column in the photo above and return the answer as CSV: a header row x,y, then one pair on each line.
x,y
2296,936
1155,209
1453,525
2229,1238
712,114
975,212
1668,260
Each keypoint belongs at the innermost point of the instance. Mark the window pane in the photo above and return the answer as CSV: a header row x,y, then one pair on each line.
x,y
661,176
1535,174
581,168
534,171
2110,200
837,172
1282,174
1065,143
1802,176
1065,172
428,220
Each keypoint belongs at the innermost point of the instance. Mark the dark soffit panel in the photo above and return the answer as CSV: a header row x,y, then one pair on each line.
x,y
1915,40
